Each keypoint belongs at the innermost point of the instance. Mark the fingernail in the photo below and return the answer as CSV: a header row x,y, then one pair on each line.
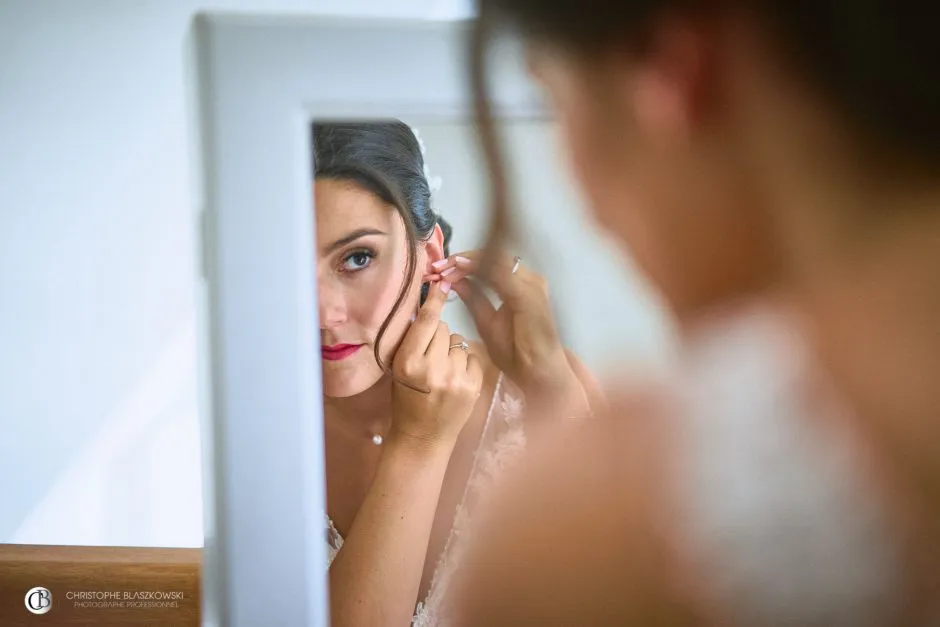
x,y
449,271
445,286
460,259
437,265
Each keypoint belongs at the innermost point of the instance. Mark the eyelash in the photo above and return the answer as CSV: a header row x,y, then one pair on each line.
x,y
368,254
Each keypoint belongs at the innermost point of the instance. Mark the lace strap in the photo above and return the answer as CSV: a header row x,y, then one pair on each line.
x,y
473,471
481,445
427,610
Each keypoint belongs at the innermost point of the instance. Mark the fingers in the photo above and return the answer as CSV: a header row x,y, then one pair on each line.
x,y
425,326
519,290
469,262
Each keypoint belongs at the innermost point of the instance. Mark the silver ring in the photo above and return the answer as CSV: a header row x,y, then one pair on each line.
x,y
517,261
462,346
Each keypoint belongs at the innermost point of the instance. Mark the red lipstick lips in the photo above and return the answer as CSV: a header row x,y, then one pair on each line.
x,y
339,351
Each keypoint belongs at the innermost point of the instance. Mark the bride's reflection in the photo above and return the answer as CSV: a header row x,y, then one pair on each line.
x,y
418,419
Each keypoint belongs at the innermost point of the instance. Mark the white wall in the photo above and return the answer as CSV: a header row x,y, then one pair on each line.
x,y
99,439
98,432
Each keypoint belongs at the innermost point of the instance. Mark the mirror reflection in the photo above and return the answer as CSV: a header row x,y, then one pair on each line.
x,y
424,392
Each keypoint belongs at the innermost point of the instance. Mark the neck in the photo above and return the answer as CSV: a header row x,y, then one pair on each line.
x,y
363,414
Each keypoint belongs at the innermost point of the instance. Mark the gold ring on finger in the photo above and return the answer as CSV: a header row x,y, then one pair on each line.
x,y
516,262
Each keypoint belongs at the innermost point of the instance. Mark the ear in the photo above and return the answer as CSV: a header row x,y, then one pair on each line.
x,y
671,85
433,248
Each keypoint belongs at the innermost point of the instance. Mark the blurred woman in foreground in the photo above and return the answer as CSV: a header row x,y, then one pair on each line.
x,y
774,167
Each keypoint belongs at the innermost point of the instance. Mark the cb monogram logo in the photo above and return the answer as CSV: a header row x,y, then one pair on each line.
x,y
39,600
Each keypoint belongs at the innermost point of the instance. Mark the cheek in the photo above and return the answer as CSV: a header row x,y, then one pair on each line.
x,y
624,194
583,130
372,296
597,162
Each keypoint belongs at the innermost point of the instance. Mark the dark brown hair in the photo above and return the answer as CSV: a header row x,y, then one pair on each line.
x,y
384,158
875,61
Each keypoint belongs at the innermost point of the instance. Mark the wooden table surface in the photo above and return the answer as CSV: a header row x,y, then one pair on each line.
x,y
127,586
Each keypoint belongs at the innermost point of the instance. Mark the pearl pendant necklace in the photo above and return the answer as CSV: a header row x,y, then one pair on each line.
x,y
377,439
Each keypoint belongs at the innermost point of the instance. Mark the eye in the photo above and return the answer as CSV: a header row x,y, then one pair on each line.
x,y
358,260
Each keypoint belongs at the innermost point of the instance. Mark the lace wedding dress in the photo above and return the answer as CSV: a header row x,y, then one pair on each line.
x,y
502,439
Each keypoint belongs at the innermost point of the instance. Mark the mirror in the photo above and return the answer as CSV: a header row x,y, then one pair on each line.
x,y
259,82
370,176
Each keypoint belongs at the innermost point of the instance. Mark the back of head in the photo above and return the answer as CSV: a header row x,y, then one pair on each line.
x,y
875,61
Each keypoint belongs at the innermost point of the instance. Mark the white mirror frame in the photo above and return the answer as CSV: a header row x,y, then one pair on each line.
x,y
258,81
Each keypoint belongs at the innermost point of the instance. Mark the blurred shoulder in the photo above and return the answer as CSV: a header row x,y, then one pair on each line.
x,y
582,532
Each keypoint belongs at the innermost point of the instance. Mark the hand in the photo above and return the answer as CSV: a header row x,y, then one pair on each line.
x,y
520,335
438,386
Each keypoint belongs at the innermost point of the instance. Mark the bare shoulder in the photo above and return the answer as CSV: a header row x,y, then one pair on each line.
x,y
581,533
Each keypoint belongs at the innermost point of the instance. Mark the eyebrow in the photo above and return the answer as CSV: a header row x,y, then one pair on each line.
x,y
352,237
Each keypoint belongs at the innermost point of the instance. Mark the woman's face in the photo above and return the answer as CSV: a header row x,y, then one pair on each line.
x,y
362,255
657,172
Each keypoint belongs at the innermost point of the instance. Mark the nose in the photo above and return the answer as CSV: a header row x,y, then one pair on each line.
x,y
331,303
